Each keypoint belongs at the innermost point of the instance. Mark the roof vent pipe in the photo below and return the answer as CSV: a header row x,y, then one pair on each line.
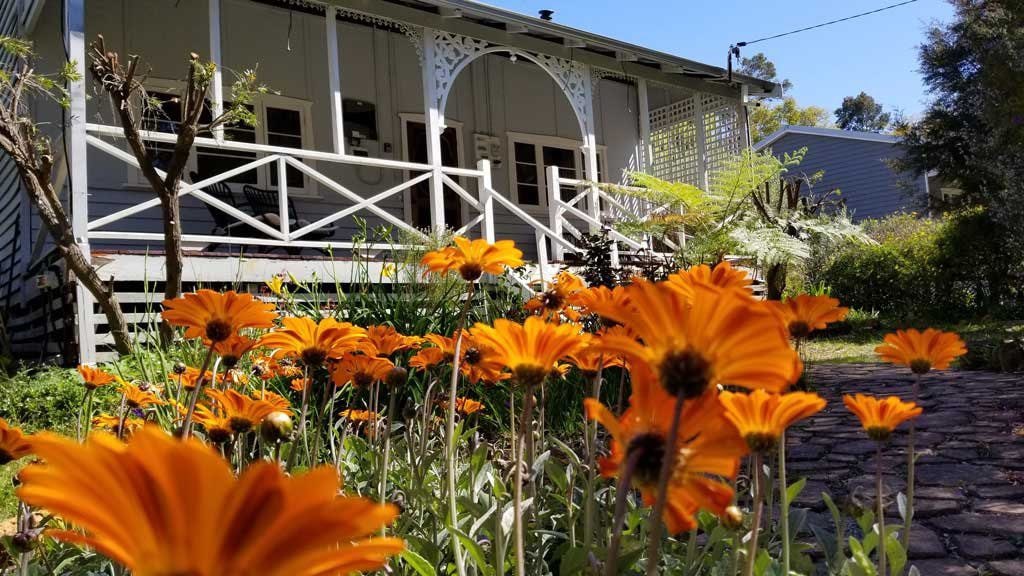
x,y
546,14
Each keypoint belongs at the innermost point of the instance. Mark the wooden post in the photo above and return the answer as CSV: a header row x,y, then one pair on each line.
x,y
646,160
486,201
334,81
217,94
555,211
433,119
282,197
78,167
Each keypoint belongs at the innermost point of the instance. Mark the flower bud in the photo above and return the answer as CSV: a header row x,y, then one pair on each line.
x,y
732,518
179,367
276,427
396,376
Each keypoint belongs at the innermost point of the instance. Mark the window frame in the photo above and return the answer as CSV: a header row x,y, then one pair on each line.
x,y
539,141
310,189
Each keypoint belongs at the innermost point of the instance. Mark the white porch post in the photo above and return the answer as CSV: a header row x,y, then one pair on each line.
x,y
590,151
486,201
645,163
433,119
79,197
217,94
701,141
555,211
334,80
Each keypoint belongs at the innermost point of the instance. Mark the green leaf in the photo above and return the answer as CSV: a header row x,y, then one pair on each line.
x,y
418,563
476,553
895,553
574,561
795,489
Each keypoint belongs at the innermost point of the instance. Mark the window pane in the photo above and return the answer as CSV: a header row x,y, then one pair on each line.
x,y
282,121
525,153
526,174
161,113
210,162
564,158
284,128
528,194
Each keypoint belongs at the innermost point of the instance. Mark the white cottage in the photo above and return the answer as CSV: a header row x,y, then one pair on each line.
x,y
419,114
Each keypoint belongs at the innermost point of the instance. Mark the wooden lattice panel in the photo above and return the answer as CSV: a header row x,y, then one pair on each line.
x,y
723,131
674,142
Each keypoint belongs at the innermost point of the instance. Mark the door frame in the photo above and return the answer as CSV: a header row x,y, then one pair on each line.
x,y
404,119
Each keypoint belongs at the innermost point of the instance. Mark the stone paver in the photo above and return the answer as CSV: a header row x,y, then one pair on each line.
x,y
970,489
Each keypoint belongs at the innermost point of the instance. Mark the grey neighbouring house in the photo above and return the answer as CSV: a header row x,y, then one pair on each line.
x,y
855,163
423,115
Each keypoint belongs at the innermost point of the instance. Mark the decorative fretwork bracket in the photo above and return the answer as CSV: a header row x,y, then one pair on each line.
x,y
453,52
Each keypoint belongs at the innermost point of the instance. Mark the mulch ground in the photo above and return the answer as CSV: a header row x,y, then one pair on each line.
x,y
970,476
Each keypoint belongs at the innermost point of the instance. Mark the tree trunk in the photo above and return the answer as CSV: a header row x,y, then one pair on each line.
x,y
41,192
173,256
775,281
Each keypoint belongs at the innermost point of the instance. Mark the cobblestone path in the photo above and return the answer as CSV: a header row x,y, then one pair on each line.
x,y
970,476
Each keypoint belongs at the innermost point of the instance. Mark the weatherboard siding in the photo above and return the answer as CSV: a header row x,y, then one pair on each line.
x,y
860,170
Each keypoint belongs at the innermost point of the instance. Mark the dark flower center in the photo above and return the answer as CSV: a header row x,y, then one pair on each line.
x,y
313,356
685,373
649,451
529,375
5,457
218,435
920,366
761,441
240,425
362,379
799,329
879,433
552,300
229,361
396,376
473,356
471,271
218,330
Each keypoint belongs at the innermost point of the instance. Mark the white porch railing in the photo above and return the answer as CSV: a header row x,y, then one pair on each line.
x,y
558,233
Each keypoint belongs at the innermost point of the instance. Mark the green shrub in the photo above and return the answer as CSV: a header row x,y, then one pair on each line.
x,y
949,268
48,399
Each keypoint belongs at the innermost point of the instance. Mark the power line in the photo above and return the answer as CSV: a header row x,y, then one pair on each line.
x,y
829,23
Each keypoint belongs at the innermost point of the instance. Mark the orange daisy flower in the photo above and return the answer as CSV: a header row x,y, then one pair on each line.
x,y
300,384
216,423
596,298
427,358
93,377
386,341
590,361
716,336
233,348
480,363
471,258
13,443
805,313
761,417
880,417
314,342
278,402
195,517
353,415
464,406
723,275
243,413
556,301
136,397
214,316
360,370
529,350
921,351
191,376
709,447
112,424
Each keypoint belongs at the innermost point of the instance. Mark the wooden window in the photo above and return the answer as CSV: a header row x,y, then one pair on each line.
x,y
532,154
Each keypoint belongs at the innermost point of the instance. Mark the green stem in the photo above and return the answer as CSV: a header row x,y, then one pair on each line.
x,y
784,505
755,526
880,505
517,494
622,489
667,465
453,505
303,413
186,427
588,498
911,473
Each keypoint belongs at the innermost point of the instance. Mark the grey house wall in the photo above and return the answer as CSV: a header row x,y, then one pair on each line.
x,y
869,187
493,96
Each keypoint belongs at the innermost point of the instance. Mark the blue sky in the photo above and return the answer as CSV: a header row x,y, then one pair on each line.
x,y
876,53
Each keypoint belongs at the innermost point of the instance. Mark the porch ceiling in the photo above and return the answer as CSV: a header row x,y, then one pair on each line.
x,y
509,28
